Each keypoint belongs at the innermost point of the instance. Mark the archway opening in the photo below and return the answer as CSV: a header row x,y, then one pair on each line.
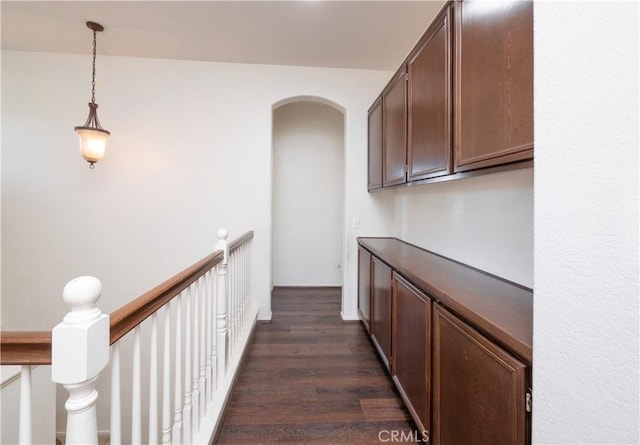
x,y
308,193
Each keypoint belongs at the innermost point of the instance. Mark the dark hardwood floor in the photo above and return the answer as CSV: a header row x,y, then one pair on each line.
x,y
311,378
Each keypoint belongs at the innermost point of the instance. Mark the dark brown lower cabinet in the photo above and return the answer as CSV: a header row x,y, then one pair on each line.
x,y
479,389
364,287
381,310
412,351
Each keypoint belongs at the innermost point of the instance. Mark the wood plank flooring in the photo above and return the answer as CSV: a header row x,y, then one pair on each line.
x,y
311,378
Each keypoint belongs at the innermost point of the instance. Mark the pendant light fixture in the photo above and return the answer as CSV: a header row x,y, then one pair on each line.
x,y
93,138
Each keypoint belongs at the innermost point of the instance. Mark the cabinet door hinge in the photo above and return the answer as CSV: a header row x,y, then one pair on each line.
x,y
406,168
528,402
406,77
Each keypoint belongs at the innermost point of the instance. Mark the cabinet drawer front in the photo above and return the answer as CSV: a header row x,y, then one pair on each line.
x,y
479,389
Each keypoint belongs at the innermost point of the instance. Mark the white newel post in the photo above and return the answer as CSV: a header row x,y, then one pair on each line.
x,y
79,352
221,307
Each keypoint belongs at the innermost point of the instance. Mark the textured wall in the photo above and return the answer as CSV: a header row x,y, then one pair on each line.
x,y
585,367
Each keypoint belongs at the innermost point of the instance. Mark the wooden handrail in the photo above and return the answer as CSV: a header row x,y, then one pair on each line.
x,y
34,348
25,348
233,245
132,314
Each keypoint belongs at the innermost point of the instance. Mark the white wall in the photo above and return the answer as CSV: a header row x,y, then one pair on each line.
x,y
486,221
190,151
308,194
585,345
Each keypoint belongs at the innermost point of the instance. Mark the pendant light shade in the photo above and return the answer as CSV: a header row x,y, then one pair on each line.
x,y
93,138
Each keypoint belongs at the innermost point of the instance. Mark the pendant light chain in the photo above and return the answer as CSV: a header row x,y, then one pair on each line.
x,y
93,76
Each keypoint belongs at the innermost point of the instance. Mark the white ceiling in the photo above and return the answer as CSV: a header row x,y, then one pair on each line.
x,y
339,34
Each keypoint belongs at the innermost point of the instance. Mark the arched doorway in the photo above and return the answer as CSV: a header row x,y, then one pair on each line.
x,y
308,193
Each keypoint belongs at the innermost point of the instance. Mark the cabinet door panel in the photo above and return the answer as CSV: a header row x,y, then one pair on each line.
x,y
364,286
493,83
375,145
381,310
478,388
429,101
412,350
394,133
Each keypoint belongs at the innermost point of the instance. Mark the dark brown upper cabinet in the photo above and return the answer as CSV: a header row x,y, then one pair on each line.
x,y
479,390
375,145
493,83
429,101
394,130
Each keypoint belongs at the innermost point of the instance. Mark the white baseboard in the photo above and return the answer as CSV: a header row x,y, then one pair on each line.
x,y
349,317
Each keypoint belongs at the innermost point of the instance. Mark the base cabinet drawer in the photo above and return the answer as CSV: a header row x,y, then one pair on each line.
x,y
479,389
412,351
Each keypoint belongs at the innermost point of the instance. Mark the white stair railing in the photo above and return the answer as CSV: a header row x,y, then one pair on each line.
x,y
198,325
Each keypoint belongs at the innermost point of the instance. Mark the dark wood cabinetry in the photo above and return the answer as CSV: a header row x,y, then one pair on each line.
x,y
457,342
429,103
364,287
461,104
394,130
381,310
479,389
375,146
412,350
493,83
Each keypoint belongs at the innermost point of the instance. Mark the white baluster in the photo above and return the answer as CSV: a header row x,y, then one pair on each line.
x,y
195,386
177,422
153,381
203,345
247,274
209,343
116,403
214,332
249,266
166,378
241,290
136,393
230,305
79,352
235,301
24,433
234,258
221,303
186,411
